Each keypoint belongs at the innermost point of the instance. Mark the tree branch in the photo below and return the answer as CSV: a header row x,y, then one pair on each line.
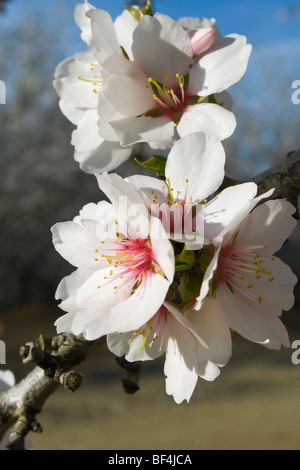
x,y
20,404
284,177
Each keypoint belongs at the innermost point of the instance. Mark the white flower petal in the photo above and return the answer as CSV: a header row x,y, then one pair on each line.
x,y
86,136
179,368
154,188
265,330
224,208
208,275
126,86
208,322
224,65
131,130
72,83
103,33
125,25
269,224
209,118
67,289
195,167
106,157
77,244
133,346
161,45
135,311
83,21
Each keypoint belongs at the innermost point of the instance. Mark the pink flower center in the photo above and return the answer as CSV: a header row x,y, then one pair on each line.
x,y
130,260
242,269
170,96
179,215
154,331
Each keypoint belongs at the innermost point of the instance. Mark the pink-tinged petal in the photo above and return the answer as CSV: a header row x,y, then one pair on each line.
x,y
270,224
106,157
224,208
190,23
104,35
126,86
77,244
135,311
222,66
195,158
201,39
161,45
131,130
209,118
179,368
266,330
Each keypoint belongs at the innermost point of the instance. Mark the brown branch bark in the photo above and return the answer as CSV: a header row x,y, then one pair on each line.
x,y
284,177
55,359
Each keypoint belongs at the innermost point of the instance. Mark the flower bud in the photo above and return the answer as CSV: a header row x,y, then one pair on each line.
x,y
201,39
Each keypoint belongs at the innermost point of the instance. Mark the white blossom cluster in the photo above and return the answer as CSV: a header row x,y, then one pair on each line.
x,y
171,265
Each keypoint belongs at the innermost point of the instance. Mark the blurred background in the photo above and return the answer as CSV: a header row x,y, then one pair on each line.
x,y
255,403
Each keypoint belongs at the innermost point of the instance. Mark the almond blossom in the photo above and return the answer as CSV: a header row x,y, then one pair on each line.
x,y
79,83
194,347
248,285
185,201
120,282
158,96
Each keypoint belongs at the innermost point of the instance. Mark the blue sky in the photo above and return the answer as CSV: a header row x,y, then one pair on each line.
x,y
257,19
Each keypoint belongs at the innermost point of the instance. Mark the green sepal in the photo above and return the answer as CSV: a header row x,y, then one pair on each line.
x,y
189,286
185,260
156,163
139,12
154,112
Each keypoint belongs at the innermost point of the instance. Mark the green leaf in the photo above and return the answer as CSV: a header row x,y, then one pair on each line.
x,y
155,163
